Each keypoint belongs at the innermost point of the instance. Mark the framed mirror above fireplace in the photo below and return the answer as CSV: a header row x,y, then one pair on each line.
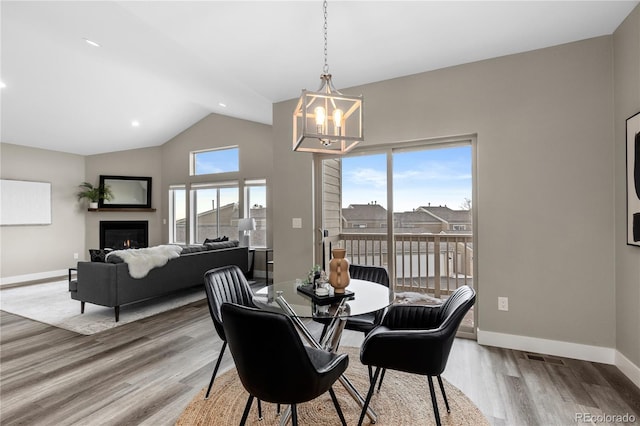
x,y
129,192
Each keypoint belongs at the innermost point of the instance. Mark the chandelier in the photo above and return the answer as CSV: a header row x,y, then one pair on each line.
x,y
327,121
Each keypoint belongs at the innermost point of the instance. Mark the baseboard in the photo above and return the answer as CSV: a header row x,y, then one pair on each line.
x,y
40,276
629,369
548,347
563,349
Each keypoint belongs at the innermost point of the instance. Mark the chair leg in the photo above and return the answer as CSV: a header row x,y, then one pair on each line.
x,y
245,414
215,370
294,415
82,307
277,409
117,312
444,395
337,405
259,410
433,400
384,370
369,395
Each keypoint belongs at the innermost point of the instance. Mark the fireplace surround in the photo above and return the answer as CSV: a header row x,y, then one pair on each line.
x,y
124,234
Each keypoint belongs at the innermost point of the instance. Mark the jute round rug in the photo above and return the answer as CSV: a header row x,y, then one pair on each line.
x,y
403,400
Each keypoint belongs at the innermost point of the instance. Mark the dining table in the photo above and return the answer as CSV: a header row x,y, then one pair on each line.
x,y
301,303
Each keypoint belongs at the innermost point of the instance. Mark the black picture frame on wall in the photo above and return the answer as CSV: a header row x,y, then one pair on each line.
x,y
633,180
129,192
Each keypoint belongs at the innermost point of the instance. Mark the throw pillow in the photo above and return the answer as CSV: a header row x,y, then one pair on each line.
x,y
216,240
98,255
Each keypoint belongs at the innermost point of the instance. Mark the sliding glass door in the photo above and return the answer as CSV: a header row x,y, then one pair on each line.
x,y
408,208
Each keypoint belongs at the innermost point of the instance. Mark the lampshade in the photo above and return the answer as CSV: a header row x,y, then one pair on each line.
x,y
327,121
247,224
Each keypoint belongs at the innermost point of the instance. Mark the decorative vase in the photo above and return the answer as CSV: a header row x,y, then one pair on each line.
x,y
339,270
93,205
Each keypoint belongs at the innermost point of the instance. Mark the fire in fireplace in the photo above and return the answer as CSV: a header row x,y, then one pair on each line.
x,y
124,234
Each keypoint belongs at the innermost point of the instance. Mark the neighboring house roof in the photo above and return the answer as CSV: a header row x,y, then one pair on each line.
x,y
364,212
448,215
224,209
415,217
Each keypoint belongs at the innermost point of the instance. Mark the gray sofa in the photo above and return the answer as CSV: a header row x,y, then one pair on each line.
x,y
109,283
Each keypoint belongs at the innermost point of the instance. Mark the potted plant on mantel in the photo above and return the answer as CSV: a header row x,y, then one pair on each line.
x,y
94,193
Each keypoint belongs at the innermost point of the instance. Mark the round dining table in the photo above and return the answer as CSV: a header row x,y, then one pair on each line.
x,y
301,303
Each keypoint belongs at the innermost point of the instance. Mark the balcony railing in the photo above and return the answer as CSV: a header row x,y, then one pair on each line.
x,y
434,264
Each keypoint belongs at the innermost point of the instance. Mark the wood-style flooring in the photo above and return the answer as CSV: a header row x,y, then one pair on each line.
x,y
146,372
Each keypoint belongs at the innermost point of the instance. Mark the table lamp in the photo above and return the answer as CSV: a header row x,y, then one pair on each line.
x,y
245,226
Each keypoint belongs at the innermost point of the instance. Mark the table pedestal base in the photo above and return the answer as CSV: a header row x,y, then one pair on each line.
x,y
330,342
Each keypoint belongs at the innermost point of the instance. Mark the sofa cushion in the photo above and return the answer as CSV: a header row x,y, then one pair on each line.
x,y
222,245
193,248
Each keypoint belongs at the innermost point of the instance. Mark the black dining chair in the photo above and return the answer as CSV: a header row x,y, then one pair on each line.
x,y
273,363
416,339
225,284
365,322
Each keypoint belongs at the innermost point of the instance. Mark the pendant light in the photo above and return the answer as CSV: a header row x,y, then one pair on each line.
x,y
327,121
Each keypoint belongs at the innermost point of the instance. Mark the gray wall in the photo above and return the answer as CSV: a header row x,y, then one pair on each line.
x,y
135,162
545,177
254,141
626,42
51,245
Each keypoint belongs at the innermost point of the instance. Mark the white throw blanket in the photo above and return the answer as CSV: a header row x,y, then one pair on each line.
x,y
141,261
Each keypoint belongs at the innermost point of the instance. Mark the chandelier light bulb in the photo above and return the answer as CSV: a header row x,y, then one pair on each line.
x,y
320,117
337,119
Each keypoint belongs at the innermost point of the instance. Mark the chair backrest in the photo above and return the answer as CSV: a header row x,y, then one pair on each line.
x,y
271,359
376,274
456,307
226,284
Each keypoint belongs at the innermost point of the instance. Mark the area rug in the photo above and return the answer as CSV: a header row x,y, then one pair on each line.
x,y
51,303
403,400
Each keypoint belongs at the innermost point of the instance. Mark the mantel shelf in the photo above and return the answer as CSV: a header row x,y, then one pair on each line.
x,y
131,209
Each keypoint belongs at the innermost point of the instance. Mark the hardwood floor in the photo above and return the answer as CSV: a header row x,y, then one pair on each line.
x,y
146,372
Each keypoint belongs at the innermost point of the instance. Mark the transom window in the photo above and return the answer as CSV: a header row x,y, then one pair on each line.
x,y
214,161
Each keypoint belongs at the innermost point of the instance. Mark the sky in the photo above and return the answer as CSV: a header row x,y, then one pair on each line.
x,y
440,176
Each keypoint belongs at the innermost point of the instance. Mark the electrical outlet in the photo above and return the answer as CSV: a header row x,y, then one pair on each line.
x,y
296,222
503,303
75,256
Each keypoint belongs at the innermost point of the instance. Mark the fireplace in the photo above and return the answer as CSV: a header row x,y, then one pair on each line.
x,y
123,234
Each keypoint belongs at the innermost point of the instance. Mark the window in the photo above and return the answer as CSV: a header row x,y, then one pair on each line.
x,y
256,207
213,161
177,214
214,211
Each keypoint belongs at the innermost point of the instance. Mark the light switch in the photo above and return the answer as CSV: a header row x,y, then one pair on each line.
x,y
296,222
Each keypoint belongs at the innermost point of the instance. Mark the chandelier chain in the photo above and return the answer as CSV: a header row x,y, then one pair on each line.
x,y
325,69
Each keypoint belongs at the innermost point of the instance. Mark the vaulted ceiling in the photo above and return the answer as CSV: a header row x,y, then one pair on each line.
x,y
168,64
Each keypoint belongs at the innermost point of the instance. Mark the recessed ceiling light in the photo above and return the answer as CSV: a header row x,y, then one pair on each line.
x,y
223,105
135,123
92,43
